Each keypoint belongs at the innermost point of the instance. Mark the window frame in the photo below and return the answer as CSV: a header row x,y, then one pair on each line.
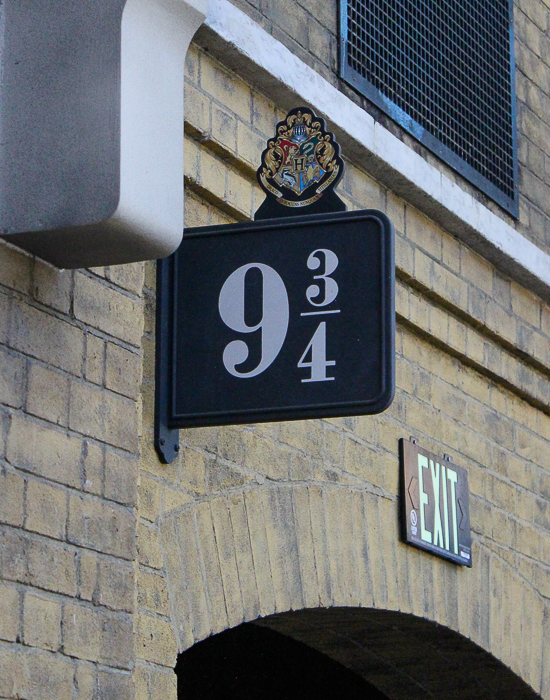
x,y
431,142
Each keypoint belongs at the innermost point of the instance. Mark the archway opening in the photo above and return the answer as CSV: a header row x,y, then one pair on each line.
x,y
344,653
251,662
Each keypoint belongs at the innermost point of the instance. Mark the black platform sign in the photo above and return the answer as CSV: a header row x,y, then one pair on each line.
x,y
434,504
276,320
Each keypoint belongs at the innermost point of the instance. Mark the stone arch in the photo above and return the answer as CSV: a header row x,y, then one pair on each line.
x,y
263,551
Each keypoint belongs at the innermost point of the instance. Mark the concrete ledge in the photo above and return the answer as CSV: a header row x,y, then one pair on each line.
x,y
94,178
267,64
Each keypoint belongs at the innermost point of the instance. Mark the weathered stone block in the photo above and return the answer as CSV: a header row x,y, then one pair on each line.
x,y
116,585
122,371
48,394
52,287
82,631
42,622
152,593
95,359
102,526
12,487
44,451
46,509
129,277
12,375
121,475
46,337
15,268
9,613
103,415
155,641
107,309
223,86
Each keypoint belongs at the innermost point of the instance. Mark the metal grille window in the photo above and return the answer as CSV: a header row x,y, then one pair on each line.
x,y
444,70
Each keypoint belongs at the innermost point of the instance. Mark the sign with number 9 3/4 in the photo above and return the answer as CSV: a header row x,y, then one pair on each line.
x,y
277,320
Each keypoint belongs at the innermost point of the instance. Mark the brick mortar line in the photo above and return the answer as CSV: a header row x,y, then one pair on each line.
x,y
65,373
219,203
31,534
520,40
262,481
25,474
69,319
471,321
509,566
525,106
498,476
458,313
96,664
77,490
147,569
323,485
9,411
416,330
360,480
86,272
61,598
147,612
217,148
485,541
262,478
493,376
513,517
71,432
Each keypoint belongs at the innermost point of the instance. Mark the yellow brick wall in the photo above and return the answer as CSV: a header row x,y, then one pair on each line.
x,y
473,370
70,372
87,614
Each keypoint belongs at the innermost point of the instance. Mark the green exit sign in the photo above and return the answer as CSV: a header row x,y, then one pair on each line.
x,y
434,503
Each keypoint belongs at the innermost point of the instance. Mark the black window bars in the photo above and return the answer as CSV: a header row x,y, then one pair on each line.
x,y
444,70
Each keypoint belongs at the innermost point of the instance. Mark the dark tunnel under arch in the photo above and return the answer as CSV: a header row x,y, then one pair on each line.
x,y
252,662
344,653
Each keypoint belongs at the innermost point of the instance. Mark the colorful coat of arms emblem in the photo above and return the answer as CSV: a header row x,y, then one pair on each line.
x,y
302,163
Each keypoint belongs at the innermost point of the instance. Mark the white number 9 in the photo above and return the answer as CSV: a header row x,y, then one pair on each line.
x,y
331,287
274,321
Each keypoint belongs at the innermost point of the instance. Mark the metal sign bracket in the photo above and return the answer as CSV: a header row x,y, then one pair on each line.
x,y
166,438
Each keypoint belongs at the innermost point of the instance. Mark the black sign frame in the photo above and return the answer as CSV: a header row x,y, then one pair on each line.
x,y
418,514
167,418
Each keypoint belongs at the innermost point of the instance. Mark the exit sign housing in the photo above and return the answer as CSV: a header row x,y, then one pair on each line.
x,y
434,504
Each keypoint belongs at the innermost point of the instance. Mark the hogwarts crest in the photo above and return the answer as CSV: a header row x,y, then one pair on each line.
x,y
302,163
